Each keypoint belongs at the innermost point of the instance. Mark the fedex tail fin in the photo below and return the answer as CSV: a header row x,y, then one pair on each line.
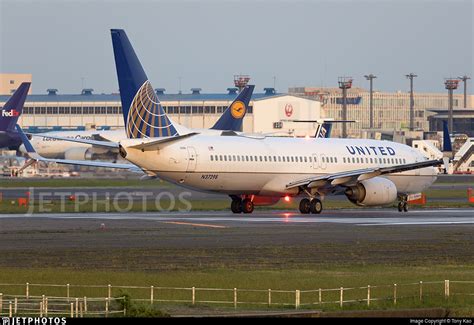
x,y
13,108
232,117
324,131
447,147
143,114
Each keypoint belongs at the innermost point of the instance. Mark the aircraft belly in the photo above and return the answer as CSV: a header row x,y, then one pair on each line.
x,y
229,183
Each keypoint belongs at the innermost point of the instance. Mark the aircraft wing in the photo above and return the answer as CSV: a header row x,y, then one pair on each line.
x,y
354,176
34,156
104,144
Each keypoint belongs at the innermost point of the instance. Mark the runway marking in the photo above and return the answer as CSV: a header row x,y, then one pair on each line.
x,y
194,224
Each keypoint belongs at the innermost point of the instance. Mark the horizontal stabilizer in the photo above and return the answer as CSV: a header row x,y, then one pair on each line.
x,y
157,144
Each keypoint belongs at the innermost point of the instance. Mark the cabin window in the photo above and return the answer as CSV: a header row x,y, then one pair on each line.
x,y
310,159
335,160
275,158
212,158
265,158
246,158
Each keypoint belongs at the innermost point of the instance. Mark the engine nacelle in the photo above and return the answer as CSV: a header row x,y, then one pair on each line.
x,y
375,191
78,154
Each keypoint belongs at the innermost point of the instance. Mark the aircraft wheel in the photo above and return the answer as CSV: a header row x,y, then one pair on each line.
x,y
305,206
400,206
405,206
316,206
236,206
247,206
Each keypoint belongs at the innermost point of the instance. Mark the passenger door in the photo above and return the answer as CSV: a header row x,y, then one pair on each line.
x,y
192,159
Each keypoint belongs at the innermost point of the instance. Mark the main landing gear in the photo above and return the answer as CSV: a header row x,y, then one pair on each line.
x,y
314,206
241,206
403,205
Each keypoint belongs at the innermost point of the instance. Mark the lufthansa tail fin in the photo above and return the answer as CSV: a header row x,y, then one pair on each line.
x,y
13,108
143,114
232,118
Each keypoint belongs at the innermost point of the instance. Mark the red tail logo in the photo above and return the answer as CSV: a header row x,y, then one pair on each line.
x,y
288,110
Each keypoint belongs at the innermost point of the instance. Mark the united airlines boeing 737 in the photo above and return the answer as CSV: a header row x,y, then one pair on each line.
x,y
368,172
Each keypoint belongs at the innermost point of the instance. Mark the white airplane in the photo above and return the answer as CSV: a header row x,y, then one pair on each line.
x,y
368,172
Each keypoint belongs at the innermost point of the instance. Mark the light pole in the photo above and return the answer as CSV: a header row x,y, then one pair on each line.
x,y
451,85
344,84
371,77
412,101
464,79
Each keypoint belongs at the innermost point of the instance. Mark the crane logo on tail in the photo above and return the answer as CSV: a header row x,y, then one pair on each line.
x,y
288,110
237,109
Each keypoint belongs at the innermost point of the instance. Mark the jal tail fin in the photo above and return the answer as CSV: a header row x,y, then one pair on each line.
x,y
13,108
324,131
143,114
447,147
232,118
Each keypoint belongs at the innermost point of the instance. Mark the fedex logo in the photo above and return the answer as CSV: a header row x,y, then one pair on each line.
x,y
12,113
372,150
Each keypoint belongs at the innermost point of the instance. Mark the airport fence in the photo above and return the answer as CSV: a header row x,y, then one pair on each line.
x,y
109,300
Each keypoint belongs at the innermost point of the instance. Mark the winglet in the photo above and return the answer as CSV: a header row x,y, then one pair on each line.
x,y
232,117
26,142
447,147
13,108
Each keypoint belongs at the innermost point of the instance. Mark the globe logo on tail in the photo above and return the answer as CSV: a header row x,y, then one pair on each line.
x,y
146,117
237,109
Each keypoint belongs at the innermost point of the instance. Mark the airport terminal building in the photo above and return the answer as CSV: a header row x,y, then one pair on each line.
x,y
53,111
391,110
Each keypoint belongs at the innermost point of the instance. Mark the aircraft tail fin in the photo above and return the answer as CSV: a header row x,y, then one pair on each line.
x,y
447,147
143,114
13,108
324,130
232,117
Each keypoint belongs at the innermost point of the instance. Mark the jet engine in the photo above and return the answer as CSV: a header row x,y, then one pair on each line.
x,y
78,154
371,192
